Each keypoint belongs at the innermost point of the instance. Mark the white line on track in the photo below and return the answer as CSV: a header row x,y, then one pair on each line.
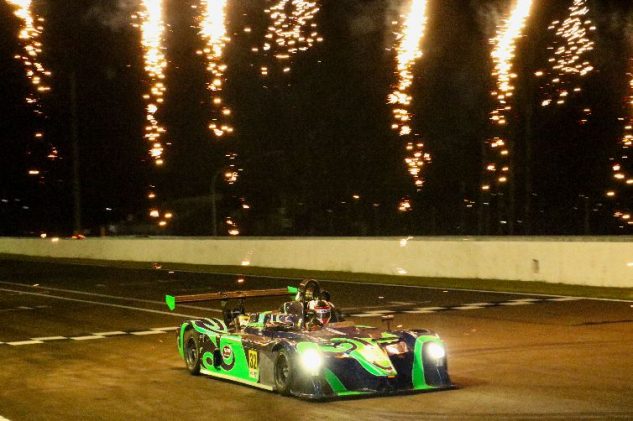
x,y
87,338
390,305
115,333
94,294
147,332
92,336
166,329
3,418
419,311
146,310
20,343
50,338
516,303
467,307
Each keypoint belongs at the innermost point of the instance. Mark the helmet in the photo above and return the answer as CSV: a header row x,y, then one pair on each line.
x,y
322,312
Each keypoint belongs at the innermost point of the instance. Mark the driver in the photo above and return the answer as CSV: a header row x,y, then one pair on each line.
x,y
320,314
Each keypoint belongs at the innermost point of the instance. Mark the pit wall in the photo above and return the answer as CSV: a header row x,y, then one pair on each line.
x,y
600,261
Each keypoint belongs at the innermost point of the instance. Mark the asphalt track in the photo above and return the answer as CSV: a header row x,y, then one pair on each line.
x,y
80,342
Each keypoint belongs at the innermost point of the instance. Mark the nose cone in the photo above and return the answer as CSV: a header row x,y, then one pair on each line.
x,y
377,358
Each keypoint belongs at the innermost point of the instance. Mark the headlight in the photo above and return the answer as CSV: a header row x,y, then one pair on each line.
x,y
311,361
396,349
435,351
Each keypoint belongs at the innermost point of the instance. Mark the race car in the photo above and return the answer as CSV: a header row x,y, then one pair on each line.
x,y
306,349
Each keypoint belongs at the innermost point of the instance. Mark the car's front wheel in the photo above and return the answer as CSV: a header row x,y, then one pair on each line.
x,y
284,372
192,352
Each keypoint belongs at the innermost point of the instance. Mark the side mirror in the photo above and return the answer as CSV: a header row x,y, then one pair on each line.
x,y
387,319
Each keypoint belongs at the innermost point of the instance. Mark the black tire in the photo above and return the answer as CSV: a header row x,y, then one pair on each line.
x,y
284,372
191,349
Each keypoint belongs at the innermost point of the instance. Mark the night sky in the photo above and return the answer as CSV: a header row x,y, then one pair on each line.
x,y
310,140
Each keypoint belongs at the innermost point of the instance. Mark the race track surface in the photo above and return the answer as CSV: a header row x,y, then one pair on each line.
x,y
85,342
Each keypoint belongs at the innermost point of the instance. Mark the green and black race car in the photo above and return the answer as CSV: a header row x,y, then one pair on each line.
x,y
295,352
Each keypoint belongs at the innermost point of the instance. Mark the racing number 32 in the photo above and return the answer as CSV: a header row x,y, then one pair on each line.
x,y
253,364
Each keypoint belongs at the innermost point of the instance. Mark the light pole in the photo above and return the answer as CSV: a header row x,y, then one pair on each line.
x,y
74,134
214,211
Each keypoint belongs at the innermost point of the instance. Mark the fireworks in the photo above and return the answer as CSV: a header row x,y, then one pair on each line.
x,y
213,31
231,226
152,25
151,22
292,30
31,29
620,167
505,44
568,63
30,32
405,205
408,52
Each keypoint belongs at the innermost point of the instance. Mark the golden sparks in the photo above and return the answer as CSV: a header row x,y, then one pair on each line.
x,y
150,19
30,32
405,205
568,63
503,54
232,227
292,30
620,167
408,53
152,25
213,30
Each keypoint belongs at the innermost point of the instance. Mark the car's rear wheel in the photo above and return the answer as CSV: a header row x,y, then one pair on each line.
x,y
192,352
284,372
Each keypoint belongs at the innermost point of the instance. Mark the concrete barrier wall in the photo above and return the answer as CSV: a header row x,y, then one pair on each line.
x,y
602,261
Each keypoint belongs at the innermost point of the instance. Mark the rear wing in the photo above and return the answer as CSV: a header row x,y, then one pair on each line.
x,y
171,300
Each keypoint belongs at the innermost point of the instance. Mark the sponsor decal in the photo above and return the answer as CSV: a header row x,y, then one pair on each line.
x,y
227,352
253,364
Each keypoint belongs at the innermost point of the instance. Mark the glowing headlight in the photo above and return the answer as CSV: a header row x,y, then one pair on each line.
x,y
311,361
396,349
435,351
